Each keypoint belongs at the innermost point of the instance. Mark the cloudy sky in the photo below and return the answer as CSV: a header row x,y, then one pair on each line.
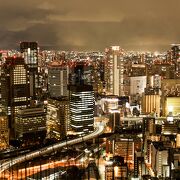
x,y
90,24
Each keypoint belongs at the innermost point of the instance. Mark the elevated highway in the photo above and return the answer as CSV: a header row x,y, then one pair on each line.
x,y
99,129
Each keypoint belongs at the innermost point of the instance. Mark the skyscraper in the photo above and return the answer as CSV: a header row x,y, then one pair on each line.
x,y
114,71
58,117
15,88
29,52
4,131
175,57
81,108
57,79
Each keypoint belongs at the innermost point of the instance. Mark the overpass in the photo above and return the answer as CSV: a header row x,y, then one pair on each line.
x,y
99,129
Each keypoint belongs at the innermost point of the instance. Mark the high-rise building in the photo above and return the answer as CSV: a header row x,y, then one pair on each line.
x,y
82,104
4,131
137,85
58,117
175,57
30,124
160,164
114,71
15,88
29,52
57,79
80,72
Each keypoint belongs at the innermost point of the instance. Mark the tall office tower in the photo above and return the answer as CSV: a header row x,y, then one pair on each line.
x,y
114,71
4,131
58,123
30,125
57,79
15,88
175,57
29,52
82,104
80,73
3,55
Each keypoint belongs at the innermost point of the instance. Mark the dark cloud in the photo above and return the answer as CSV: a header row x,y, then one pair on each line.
x,y
90,25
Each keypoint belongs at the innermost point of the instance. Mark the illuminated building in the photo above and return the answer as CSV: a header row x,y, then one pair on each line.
x,y
109,103
176,158
109,146
114,71
178,141
58,118
151,104
29,52
114,119
137,85
82,104
98,75
3,55
175,57
4,132
148,125
115,172
160,160
172,104
169,128
170,95
30,124
139,165
163,69
15,88
80,72
137,70
57,79
125,148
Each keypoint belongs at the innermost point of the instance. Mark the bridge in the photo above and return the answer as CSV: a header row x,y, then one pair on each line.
x,y
99,129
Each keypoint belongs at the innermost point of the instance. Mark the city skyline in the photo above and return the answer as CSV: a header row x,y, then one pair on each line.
x,y
79,25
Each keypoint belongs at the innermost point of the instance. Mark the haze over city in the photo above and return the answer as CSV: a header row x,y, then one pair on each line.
x,y
90,25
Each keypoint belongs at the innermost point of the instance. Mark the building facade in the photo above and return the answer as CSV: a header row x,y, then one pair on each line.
x,y
58,123
4,131
82,104
30,124
29,51
114,71
57,79
15,89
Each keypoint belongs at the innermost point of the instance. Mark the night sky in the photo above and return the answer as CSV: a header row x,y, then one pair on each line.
x,y
90,25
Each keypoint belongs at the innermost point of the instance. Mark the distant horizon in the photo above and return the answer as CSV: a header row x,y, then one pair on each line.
x,y
91,25
55,48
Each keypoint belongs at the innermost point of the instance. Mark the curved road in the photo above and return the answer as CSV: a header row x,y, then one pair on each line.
x,y
6,165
